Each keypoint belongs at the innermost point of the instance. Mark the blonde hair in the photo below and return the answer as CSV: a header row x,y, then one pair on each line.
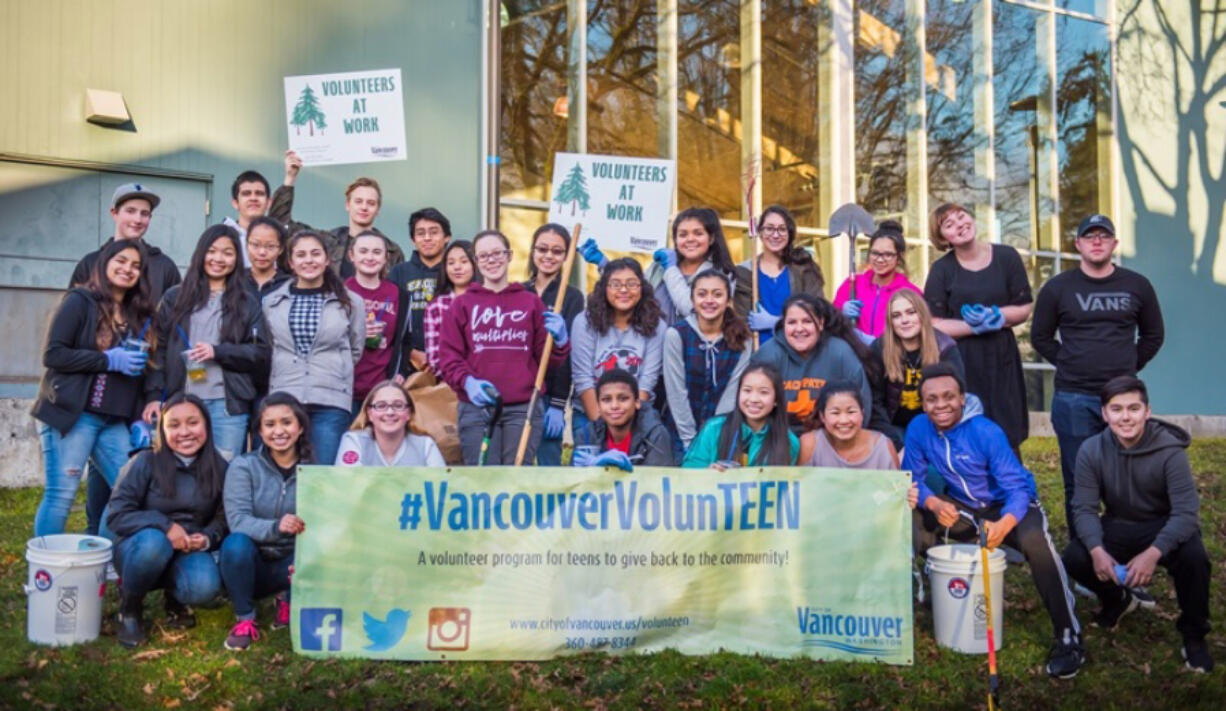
x,y
364,183
934,224
892,350
361,422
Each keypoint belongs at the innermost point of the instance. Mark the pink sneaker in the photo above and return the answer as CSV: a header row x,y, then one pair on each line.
x,y
281,619
242,635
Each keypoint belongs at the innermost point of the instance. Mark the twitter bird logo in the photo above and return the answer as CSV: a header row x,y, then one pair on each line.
x,y
384,635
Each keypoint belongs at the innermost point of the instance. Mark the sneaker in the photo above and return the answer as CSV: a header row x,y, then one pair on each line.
x,y
1144,599
178,615
281,618
1111,613
112,575
1066,656
1196,655
242,635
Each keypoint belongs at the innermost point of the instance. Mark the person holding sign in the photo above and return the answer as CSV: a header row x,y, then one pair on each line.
x,y
261,499
619,328
492,342
380,435
755,434
625,434
985,485
699,245
874,286
783,270
550,245
703,356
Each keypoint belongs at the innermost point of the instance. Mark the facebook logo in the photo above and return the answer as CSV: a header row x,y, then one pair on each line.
x,y
320,628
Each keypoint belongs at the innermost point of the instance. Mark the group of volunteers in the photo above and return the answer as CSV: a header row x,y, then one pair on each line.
x,y
194,397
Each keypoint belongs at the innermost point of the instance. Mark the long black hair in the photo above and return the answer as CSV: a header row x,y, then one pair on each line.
x,y
546,228
209,466
445,285
791,253
718,254
645,318
332,282
777,449
282,238
306,455
833,322
736,331
193,293
134,309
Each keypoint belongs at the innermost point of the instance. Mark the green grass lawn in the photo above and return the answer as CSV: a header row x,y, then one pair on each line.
x,y
1137,666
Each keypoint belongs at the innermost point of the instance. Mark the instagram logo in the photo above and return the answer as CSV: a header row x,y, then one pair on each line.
x,y
447,630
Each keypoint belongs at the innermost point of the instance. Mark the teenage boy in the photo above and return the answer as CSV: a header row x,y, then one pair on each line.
x,y
249,198
1138,472
1109,324
625,434
417,278
987,486
384,313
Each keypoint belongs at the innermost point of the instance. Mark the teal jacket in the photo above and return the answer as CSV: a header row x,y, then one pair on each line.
x,y
703,450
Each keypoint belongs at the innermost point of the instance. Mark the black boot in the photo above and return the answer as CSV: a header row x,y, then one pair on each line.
x,y
131,632
178,615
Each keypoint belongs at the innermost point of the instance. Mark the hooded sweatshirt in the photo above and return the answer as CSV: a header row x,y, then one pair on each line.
x,y
803,376
650,443
418,282
681,377
497,336
875,314
162,271
1151,480
975,460
595,353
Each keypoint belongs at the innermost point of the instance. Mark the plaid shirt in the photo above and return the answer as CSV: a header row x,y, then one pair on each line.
x,y
708,371
304,311
432,326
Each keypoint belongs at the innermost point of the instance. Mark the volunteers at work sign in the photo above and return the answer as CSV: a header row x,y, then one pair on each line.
x,y
527,564
354,117
623,203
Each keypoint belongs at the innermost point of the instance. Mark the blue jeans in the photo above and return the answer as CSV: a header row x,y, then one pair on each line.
x,y
327,426
229,431
97,496
1075,417
249,576
146,561
64,458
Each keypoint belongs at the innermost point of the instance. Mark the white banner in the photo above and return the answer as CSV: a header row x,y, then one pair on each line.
x,y
623,203
354,117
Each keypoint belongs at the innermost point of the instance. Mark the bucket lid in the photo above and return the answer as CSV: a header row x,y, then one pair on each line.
x,y
964,558
68,543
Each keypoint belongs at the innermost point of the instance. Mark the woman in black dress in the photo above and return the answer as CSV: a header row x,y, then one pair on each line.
x,y
978,292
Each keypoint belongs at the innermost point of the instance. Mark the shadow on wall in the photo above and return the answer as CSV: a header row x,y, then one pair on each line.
x,y
1183,61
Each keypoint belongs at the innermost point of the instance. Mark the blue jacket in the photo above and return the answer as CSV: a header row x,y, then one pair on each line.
x,y
974,459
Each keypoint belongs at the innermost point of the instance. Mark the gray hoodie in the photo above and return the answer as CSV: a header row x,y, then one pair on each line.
x,y
1152,480
678,390
803,376
593,353
256,497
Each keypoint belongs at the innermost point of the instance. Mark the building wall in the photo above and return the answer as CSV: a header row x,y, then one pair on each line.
x,y
1172,186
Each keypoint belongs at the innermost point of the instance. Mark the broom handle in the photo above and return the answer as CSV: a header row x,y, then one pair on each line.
x,y
987,600
543,368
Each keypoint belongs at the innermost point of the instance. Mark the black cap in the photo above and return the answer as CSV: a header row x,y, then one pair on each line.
x,y
1100,222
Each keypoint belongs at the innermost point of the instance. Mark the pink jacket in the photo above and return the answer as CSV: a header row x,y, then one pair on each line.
x,y
876,299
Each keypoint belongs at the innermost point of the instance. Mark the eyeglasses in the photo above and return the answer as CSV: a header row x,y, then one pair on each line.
x,y
632,285
882,256
263,246
776,230
493,257
556,251
397,406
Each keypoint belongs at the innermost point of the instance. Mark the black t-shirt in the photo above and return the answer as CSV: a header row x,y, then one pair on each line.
x,y
909,403
1108,327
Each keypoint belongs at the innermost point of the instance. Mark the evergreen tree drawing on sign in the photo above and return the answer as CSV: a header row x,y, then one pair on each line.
x,y
573,190
307,113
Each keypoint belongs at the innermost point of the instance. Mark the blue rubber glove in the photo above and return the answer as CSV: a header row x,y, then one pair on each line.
x,y
613,458
581,458
974,314
555,421
591,253
140,435
556,325
852,308
994,322
481,393
762,320
1121,573
665,257
125,361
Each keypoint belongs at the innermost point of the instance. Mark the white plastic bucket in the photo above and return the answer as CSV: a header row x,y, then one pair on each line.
x,y
959,613
65,589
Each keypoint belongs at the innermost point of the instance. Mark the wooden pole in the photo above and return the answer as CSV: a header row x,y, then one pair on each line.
x,y
543,368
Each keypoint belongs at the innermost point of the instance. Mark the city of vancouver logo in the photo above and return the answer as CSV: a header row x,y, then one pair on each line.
x,y
862,635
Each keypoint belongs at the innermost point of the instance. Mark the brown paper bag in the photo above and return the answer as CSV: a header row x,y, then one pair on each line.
x,y
435,413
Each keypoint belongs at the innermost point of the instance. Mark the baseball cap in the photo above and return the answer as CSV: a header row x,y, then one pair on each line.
x,y
127,191
1101,222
